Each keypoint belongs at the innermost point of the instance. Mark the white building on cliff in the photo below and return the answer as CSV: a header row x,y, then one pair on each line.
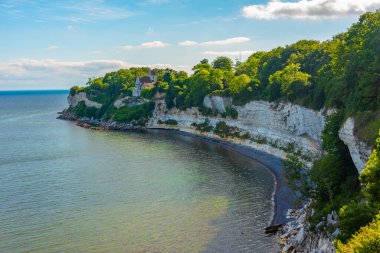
x,y
144,82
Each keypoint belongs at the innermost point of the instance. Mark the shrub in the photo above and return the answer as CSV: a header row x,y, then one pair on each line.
x,y
127,114
207,111
168,122
353,216
203,127
222,129
230,112
81,110
297,176
367,240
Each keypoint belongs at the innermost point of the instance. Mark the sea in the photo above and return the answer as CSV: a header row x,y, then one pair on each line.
x,y
64,188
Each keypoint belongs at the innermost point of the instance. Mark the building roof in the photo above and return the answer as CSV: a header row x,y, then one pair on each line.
x,y
145,79
152,72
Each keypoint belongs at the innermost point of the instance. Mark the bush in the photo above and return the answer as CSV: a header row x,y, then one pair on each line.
x,y
352,217
127,114
367,240
297,176
203,127
81,110
207,111
230,112
222,129
172,122
147,93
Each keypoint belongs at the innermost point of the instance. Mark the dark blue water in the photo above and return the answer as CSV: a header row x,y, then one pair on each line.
x,y
68,189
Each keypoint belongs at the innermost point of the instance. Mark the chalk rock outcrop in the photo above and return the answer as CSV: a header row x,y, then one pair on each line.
x,y
79,97
358,149
129,101
217,103
280,125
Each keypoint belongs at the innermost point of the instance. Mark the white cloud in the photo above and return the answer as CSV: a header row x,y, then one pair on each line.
x,y
230,41
29,73
229,53
188,43
146,45
51,48
309,9
154,44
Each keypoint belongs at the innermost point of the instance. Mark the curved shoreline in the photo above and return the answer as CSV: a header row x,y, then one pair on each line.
x,y
282,196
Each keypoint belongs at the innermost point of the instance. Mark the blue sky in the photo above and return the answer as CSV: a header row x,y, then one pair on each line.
x,y
57,44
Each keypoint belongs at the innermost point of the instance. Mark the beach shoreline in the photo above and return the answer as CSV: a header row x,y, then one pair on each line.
x,y
283,197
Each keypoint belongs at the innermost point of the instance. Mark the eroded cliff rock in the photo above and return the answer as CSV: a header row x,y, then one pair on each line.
x,y
358,149
217,103
79,97
129,101
280,125
276,125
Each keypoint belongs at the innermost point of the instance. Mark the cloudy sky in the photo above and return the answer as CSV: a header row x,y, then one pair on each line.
x,y
56,44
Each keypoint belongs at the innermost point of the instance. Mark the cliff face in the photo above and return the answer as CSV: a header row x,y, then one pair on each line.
x,y
358,149
279,125
79,97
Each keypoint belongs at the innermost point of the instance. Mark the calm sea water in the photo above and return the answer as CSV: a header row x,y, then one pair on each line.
x,y
68,189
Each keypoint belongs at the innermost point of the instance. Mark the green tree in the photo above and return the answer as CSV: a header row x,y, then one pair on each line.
x,y
223,63
370,176
292,81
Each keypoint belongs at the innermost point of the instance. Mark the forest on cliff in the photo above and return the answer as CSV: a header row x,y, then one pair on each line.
x,y
342,74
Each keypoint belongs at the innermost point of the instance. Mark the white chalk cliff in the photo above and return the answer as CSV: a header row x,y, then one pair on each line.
x,y
280,124
358,149
74,100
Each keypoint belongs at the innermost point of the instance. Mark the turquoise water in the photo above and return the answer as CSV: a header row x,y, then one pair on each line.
x,y
68,189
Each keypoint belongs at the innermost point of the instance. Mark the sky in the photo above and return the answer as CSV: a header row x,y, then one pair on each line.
x,y
58,44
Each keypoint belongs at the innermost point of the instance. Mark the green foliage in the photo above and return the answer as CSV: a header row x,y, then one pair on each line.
x,y
199,87
343,73
366,240
76,89
230,112
352,217
334,175
224,130
207,111
367,125
136,113
172,122
223,63
148,93
291,81
297,176
362,210
370,176
82,110
203,127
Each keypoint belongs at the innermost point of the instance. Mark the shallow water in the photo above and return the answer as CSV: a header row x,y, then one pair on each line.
x,y
68,189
